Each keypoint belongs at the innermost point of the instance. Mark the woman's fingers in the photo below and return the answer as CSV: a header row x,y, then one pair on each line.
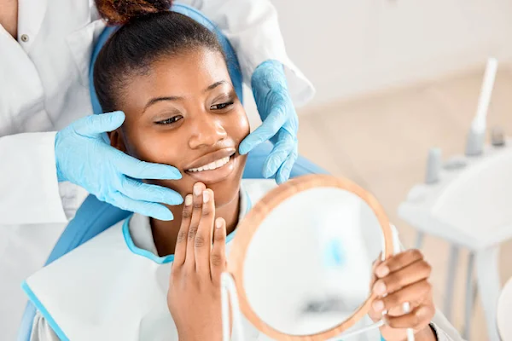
x,y
181,241
203,240
375,265
197,207
417,319
218,254
414,294
398,262
393,281
374,315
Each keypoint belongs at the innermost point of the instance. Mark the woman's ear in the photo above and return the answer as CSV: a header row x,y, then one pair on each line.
x,y
117,140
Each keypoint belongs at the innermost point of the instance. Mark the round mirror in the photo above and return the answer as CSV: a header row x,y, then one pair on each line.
x,y
302,258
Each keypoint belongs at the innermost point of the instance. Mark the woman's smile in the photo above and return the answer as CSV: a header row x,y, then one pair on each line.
x,y
215,171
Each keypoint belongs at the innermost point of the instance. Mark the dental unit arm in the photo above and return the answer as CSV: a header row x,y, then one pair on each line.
x,y
466,201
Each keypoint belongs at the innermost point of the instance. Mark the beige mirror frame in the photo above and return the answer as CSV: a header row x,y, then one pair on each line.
x,y
249,225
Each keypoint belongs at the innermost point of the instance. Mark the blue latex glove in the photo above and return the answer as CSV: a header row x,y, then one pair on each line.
x,y
83,157
280,121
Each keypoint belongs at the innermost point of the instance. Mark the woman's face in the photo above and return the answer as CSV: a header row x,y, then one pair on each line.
x,y
185,113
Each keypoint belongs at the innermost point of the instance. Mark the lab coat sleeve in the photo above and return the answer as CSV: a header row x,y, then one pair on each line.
x,y
444,330
29,190
41,330
253,30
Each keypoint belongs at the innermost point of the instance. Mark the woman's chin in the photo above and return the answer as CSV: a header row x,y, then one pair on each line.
x,y
225,195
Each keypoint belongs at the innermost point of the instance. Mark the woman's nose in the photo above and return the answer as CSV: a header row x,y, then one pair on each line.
x,y
207,131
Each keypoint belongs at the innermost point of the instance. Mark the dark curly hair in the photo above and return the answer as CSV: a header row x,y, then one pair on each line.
x,y
149,33
119,12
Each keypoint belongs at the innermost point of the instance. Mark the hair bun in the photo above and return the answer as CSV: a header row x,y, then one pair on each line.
x,y
118,12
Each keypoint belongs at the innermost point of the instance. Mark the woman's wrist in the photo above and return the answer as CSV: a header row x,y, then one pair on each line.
x,y
194,336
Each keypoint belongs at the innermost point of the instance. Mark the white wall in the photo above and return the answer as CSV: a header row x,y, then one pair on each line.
x,y
352,47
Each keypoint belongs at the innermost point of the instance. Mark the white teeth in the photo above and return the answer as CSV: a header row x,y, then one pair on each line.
x,y
212,165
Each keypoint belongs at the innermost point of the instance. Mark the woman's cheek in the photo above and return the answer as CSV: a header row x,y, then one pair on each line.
x,y
147,144
240,127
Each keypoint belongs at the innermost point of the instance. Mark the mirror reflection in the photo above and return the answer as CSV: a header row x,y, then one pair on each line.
x,y
304,272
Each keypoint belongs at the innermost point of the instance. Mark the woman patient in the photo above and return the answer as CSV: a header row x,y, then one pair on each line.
x,y
145,279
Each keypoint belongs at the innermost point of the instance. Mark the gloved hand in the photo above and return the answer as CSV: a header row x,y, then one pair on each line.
x,y
85,159
280,121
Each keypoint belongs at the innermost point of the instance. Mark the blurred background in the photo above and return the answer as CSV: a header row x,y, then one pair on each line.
x,y
395,78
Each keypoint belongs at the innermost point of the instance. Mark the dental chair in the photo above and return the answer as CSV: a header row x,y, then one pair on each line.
x,y
94,216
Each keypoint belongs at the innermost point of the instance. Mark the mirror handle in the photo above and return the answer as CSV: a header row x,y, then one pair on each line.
x,y
397,249
229,293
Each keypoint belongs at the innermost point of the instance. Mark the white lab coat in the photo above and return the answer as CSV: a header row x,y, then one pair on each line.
x,y
44,87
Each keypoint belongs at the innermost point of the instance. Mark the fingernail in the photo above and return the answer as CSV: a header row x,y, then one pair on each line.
x,y
379,288
218,223
197,189
378,305
206,196
188,200
382,271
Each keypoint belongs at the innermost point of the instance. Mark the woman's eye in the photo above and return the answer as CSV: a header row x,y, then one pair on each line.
x,y
170,120
221,106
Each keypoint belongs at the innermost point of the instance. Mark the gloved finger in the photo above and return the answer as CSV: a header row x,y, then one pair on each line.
x,y
284,146
138,190
283,174
268,129
137,169
94,125
145,208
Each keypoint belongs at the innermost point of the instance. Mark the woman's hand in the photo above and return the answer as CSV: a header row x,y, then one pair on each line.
x,y
400,279
194,292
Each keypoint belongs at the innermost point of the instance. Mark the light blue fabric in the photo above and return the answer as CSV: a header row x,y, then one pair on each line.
x,y
95,216
280,121
141,252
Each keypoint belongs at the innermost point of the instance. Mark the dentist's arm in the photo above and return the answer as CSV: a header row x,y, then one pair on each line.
x,y
33,165
29,190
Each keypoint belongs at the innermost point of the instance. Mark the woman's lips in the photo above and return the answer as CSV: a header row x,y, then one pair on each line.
x,y
215,175
211,157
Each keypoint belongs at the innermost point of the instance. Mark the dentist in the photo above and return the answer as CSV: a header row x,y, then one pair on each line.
x,y
51,149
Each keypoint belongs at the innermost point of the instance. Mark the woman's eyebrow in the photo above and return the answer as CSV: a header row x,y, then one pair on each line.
x,y
214,85
174,98
160,99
